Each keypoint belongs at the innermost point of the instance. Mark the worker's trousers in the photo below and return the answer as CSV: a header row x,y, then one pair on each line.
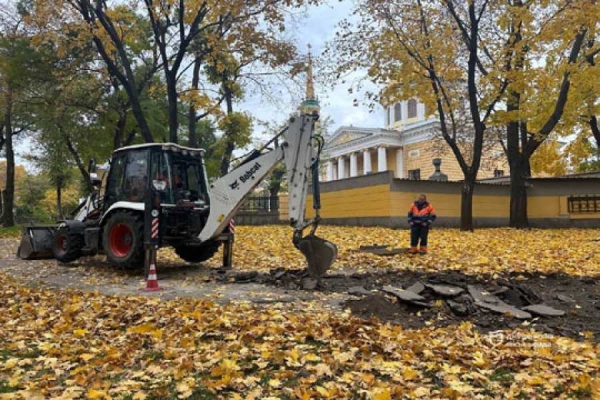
x,y
418,232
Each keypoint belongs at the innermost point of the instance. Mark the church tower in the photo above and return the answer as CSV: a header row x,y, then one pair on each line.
x,y
310,105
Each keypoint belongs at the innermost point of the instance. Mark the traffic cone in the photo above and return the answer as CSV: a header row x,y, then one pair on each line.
x,y
152,282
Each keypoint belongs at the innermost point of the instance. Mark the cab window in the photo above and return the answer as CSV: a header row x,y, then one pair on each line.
x,y
136,176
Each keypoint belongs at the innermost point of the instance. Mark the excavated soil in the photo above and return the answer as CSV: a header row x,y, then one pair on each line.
x,y
578,297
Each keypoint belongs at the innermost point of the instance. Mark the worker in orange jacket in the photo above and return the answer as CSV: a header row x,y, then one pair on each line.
x,y
420,217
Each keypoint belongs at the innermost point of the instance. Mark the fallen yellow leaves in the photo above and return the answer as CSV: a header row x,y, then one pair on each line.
x,y
571,251
66,344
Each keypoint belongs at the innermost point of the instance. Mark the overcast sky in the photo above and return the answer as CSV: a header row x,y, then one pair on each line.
x,y
316,28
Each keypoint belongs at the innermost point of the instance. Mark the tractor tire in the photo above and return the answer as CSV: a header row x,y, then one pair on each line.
x,y
197,254
67,246
123,240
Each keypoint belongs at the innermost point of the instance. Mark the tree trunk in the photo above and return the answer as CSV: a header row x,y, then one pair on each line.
x,y
120,130
7,218
59,212
595,130
173,116
193,135
466,204
519,172
84,172
138,113
229,145
518,197
273,199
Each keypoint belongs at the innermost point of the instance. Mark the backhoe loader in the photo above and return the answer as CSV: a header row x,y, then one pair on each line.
x,y
193,212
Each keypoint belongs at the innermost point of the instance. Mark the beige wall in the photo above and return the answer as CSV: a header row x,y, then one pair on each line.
x,y
439,149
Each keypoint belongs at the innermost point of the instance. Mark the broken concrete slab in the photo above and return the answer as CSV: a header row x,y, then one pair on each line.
x,y
503,308
280,274
565,298
515,297
245,276
388,252
500,290
544,310
445,290
373,247
405,295
416,287
358,291
457,308
481,296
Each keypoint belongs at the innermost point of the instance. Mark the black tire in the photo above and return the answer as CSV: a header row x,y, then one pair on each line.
x,y
67,246
197,254
123,240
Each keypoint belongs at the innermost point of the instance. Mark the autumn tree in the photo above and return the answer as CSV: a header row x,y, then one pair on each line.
x,y
120,36
511,61
18,72
583,153
398,42
549,160
245,57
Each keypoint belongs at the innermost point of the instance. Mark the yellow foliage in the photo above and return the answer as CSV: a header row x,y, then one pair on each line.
x,y
69,199
548,160
485,251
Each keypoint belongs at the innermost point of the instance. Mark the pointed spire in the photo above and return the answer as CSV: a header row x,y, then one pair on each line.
x,y
310,85
310,105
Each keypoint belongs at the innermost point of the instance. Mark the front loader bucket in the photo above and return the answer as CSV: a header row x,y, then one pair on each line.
x,y
36,242
320,254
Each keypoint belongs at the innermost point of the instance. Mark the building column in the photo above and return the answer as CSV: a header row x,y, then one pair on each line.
x,y
400,163
381,159
329,171
367,162
341,168
353,165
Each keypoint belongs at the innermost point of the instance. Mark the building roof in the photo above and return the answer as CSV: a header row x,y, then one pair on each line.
x,y
592,174
163,146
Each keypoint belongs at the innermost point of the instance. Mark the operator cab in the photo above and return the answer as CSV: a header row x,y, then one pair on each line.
x,y
176,172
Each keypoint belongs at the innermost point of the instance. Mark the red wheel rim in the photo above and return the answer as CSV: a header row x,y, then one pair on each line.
x,y
120,240
61,242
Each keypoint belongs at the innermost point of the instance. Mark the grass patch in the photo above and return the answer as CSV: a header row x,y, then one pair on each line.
x,y
503,375
198,393
6,388
10,232
585,393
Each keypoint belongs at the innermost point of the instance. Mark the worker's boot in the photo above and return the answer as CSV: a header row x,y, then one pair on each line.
x,y
413,250
423,250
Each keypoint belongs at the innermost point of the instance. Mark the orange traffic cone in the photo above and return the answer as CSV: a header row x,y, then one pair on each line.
x,y
152,282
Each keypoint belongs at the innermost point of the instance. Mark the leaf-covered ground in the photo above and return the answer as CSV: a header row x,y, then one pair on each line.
x,y
485,251
74,344
64,344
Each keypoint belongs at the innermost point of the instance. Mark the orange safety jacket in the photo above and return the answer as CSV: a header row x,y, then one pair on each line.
x,y
421,213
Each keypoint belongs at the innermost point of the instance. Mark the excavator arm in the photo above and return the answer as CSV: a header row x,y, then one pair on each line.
x,y
300,152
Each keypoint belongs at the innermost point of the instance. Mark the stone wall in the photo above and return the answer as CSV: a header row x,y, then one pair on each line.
x,y
380,199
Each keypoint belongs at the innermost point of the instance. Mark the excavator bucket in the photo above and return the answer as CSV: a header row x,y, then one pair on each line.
x,y
320,254
36,243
